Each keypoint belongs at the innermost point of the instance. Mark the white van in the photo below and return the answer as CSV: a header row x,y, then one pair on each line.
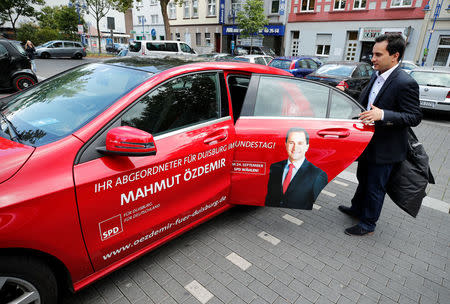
x,y
160,47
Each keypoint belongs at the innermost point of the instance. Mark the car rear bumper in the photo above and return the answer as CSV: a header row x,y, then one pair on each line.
x,y
435,105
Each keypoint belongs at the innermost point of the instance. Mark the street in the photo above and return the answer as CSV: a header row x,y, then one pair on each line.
x,y
275,255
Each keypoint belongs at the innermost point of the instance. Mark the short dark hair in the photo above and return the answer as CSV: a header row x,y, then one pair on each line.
x,y
301,130
396,43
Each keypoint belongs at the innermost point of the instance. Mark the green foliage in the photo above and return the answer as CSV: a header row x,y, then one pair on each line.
x,y
61,18
252,19
11,10
29,31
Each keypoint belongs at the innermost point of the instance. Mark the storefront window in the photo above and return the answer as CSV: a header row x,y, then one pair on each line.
x,y
208,39
308,5
443,51
198,39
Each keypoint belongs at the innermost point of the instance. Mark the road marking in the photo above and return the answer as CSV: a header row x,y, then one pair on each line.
x,y
317,207
199,292
347,175
328,193
436,204
239,261
340,183
292,219
269,238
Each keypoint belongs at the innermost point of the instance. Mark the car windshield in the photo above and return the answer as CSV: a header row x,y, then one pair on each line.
x,y
61,105
242,59
336,70
19,48
431,79
46,44
281,64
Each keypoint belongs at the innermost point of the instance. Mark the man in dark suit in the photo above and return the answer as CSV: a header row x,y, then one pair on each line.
x,y
295,182
391,100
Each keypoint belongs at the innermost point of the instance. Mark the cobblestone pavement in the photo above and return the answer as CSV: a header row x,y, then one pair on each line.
x,y
273,255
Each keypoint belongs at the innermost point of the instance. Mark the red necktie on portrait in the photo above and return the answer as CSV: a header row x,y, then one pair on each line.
x,y
287,180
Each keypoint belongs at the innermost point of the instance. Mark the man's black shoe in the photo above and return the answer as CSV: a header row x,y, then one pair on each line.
x,y
348,211
358,231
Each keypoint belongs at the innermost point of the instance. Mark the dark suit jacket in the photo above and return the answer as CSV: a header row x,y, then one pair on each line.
x,y
399,98
303,189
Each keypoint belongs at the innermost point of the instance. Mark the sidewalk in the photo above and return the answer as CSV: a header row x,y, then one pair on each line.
x,y
273,255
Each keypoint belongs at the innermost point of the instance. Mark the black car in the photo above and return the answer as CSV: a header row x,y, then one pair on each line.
x,y
352,76
15,67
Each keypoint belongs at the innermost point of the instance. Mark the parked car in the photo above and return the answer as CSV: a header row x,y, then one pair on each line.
x,y
216,56
256,50
115,47
61,48
297,66
408,65
352,76
15,66
259,59
160,48
109,160
434,89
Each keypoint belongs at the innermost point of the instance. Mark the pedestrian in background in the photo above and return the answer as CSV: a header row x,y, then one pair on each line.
x,y
391,100
29,48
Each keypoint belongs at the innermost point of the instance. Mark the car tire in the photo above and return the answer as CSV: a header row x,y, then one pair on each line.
x,y
26,277
23,82
78,56
45,55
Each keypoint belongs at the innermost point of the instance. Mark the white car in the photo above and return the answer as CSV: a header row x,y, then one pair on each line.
x,y
434,89
259,59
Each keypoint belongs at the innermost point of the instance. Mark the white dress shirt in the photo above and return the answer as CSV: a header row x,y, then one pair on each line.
x,y
297,164
377,85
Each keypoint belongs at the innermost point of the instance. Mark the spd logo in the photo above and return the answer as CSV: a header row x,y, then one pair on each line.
x,y
110,227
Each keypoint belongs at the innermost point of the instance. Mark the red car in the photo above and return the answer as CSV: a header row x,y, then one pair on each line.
x,y
107,161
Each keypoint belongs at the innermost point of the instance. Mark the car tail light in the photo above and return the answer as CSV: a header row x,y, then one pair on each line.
x,y
343,84
448,94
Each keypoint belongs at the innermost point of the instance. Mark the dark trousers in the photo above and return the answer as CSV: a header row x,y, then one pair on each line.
x,y
369,196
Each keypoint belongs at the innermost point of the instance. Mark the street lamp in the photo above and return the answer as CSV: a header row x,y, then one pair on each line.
x,y
437,11
79,6
142,21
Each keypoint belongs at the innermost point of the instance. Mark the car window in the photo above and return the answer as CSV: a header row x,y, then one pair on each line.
x,y
268,59
61,105
260,60
302,64
278,96
181,102
186,48
312,64
3,51
431,79
69,44
357,72
135,47
342,107
57,45
369,70
242,59
335,70
280,63
19,48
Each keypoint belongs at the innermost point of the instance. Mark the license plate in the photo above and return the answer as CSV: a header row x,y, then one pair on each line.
x,y
427,104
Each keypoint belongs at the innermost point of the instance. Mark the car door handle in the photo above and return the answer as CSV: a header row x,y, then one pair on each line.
x,y
334,133
216,137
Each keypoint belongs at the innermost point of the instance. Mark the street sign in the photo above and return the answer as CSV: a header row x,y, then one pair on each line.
x,y
153,32
80,29
132,32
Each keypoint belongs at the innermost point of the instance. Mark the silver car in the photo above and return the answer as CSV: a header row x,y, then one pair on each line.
x,y
434,89
61,48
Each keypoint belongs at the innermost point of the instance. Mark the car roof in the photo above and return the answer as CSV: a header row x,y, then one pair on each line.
x,y
292,57
253,56
157,65
431,70
353,63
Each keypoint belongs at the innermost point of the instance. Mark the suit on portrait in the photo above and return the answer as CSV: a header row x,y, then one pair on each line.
x,y
303,189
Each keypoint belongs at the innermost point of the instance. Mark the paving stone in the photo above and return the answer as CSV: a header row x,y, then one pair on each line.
x,y
364,290
304,291
384,290
260,275
242,291
285,292
344,290
220,291
154,291
324,290
219,274
262,291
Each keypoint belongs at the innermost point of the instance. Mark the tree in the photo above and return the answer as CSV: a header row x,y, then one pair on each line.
x,y
252,19
99,8
29,31
61,18
11,10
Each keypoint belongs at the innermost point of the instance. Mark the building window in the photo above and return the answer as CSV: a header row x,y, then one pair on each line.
x,y
275,6
208,39
401,3
236,5
154,19
443,51
195,8
339,4
308,5
198,39
211,7
178,36
359,4
172,10
323,42
154,2
295,9
187,8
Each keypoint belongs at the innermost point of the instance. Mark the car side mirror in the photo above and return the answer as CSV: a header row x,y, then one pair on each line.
x,y
128,141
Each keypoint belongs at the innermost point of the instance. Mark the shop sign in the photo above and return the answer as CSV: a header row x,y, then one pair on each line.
x,y
268,30
222,11
369,33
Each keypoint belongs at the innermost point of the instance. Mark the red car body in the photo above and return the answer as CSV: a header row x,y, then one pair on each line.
x,y
87,218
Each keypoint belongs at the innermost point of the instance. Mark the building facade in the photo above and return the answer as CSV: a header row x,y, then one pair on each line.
x,y
346,30
148,23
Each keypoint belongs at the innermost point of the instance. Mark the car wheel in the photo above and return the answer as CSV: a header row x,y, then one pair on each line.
x,y
45,55
22,82
26,280
78,56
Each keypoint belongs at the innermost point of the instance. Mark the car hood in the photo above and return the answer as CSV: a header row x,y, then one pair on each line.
x,y
326,78
12,157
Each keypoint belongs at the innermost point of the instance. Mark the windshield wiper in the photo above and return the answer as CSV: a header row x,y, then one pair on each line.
x,y
13,134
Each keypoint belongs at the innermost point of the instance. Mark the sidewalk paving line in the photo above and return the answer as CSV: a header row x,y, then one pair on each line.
x,y
328,193
269,238
199,292
292,219
238,261
427,201
340,183
317,207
